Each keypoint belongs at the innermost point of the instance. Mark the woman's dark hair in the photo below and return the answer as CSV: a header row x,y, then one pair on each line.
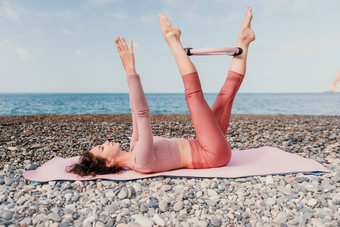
x,y
90,165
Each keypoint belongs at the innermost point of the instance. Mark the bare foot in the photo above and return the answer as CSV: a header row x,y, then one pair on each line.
x,y
170,32
246,35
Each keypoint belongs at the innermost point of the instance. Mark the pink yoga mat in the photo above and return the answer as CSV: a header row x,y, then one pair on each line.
x,y
252,162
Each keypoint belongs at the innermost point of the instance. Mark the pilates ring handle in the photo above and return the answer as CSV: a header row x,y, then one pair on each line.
x,y
214,51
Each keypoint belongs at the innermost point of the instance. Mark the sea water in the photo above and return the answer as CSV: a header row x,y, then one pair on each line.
x,y
245,103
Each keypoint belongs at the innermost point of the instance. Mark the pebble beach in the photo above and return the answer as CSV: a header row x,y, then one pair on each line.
x,y
26,142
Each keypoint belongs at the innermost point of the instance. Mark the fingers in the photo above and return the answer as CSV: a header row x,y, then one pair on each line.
x,y
121,44
118,44
124,44
131,45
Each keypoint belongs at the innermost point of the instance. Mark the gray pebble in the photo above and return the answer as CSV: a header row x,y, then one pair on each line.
x,y
123,193
302,179
281,218
26,221
216,221
7,214
153,202
54,217
336,178
178,206
143,208
99,224
89,220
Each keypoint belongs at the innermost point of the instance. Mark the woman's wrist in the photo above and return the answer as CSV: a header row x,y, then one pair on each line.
x,y
130,71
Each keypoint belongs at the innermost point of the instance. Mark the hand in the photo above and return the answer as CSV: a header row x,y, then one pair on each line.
x,y
126,55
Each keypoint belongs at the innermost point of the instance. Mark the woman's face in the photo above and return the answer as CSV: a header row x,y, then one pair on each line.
x,y
107,151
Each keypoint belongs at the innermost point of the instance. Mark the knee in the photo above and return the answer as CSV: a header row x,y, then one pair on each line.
x,y
223,157
227,94
193,93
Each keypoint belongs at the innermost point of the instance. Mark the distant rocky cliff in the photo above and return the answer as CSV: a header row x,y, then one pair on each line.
x,y
335,84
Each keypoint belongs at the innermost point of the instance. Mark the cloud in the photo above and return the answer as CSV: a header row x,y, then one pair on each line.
x,y
81,53
23,53
67,32
8,12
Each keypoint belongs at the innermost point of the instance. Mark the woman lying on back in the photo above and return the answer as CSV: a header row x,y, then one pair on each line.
x,y
150,154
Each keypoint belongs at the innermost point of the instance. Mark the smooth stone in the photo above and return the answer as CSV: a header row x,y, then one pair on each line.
x,y
99,224
144,221
123,193
54,217
281,218
179,189
12,148
89,220
133,224
271,201
115,205
210,203
316,222
122,225
178,206
31,166
26,221
143,208
166,187
107,183
110,193
8,181
302,179
312,202
202,223
249,202
269,180
7,214
336,177
216,221
68,196
163,205
153,202
336,199
212,193
158,220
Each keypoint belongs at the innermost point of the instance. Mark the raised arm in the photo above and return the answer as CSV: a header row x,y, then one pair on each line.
x,y
139,107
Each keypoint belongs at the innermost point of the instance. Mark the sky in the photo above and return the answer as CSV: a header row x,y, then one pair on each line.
x,y
67,46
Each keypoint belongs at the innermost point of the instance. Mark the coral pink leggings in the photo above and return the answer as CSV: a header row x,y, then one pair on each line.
x,y
210,148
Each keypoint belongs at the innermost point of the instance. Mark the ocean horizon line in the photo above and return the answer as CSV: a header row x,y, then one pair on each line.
x,y
150,93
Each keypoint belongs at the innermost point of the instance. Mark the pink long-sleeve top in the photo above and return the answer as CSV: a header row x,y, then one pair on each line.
x,y
152,153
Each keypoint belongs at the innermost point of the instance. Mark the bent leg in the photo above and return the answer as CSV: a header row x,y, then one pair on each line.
x,y
224,101
216,150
